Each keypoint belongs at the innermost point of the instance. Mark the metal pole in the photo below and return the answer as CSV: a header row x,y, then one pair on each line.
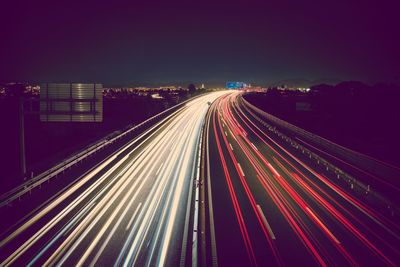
x,y
22,137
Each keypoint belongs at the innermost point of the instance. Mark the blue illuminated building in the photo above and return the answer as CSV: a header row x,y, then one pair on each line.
x,y
235,85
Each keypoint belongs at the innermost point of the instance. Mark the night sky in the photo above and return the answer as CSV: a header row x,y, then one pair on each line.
x,y
154,41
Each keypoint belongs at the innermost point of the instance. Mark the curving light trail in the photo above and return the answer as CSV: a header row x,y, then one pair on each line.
x,y
129,211
285,201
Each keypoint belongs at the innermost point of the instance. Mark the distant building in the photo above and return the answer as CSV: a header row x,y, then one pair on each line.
x,y
167,88
236,85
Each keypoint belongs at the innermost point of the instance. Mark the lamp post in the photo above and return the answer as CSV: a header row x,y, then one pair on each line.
x,y
18,91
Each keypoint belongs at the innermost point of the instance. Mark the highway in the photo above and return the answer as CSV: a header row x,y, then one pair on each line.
x,y
208,185
133,209
269,207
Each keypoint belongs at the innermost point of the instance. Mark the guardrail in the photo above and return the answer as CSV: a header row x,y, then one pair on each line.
x,y
324,143
26,187
360,159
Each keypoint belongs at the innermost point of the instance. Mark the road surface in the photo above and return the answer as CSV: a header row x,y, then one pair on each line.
x,y
131,210
269,208
209,184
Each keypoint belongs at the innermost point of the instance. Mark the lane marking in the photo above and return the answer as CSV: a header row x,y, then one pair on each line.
x,y
159,168
231,146
240,168
133,216
253,146
273,170
271,233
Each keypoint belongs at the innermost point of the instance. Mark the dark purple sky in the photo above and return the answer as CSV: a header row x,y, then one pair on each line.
x,y
253,41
